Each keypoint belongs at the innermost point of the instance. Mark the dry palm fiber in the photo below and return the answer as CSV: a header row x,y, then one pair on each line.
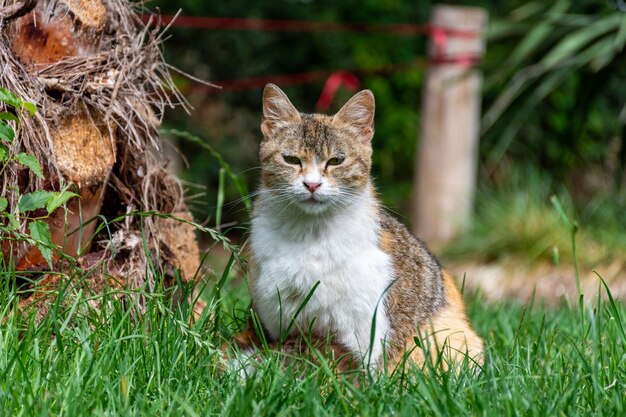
x,y
100,84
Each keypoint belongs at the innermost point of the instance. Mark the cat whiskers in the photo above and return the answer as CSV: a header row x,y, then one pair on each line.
x,y
345,198
250,169
252,195
284,196
279,196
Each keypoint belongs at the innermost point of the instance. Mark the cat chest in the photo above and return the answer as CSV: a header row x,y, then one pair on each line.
x,y
353,275
330,263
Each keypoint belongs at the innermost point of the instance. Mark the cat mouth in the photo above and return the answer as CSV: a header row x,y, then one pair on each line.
x,y
313,200
312,204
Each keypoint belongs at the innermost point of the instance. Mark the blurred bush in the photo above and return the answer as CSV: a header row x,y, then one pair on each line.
x,y
555,95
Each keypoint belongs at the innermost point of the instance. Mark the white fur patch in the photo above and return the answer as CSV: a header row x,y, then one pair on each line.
x,y
339,248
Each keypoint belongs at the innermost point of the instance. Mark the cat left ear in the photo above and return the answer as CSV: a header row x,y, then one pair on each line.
x,y
358,113
277,110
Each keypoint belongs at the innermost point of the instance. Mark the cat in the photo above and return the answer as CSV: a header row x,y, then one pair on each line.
x,y
317,221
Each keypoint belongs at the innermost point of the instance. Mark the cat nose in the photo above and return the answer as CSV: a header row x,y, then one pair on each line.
x,y
312,186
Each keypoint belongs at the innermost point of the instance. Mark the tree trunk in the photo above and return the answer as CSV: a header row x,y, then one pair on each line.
x,y
96,75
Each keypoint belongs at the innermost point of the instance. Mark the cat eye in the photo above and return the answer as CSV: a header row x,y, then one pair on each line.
x,y
292,160
334,161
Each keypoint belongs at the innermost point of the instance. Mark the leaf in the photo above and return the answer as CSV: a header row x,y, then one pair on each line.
x,y
13,222
32,109
58,200
501,29
528,10
536,37
529,45
40,232
613,309
34,201
4,153
3,203
604,54
220,199
9,98
8,116
31,162
571,44
525,107
620,38
7,133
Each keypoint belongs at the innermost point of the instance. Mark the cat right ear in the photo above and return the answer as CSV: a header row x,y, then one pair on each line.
x,y
358,113
277,110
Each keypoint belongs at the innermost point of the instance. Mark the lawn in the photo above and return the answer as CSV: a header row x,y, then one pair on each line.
x,y
127,361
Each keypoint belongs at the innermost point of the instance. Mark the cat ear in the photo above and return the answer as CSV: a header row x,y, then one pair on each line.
x,y
277,110
358,113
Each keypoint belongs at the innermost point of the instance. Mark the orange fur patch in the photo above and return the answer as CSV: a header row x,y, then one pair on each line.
x,y
448,334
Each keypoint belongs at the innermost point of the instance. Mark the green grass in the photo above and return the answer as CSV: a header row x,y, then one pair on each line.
x,y
127,360
122,361
517,220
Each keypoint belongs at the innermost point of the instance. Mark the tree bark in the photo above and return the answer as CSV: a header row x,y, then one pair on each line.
x,y
100,135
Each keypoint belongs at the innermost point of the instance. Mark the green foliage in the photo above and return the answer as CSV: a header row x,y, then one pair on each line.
x,y
554,89
40,233
7,134
517,219
33,201
58,200
11,99
30,162
10,123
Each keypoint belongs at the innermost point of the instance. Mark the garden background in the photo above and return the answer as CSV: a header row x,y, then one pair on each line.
x,y
549,214
553,120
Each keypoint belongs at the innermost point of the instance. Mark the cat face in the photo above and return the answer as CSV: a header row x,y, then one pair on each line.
x,y
316,162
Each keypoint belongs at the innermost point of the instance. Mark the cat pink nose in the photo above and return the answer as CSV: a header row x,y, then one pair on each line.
x,y
312,186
